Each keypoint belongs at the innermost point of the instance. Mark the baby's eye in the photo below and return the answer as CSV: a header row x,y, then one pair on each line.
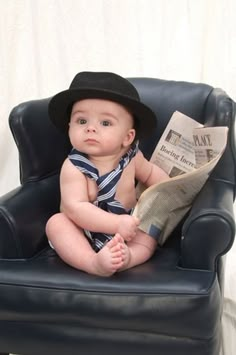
x,y
82,121
106,123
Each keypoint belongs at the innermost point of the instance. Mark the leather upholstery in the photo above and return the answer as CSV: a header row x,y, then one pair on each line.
x,y
170,305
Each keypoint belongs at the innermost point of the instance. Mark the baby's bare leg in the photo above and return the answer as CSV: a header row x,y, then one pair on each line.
x,y
139,250
73,247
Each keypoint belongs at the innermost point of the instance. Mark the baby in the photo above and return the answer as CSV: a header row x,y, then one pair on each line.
x,y
94,230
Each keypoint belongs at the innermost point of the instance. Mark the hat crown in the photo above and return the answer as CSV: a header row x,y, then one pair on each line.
x,y
104,81
104,86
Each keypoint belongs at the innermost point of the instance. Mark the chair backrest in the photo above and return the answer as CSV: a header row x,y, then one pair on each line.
x,y
42,148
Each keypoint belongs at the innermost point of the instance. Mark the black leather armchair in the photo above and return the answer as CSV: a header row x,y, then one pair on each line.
x,y
170,305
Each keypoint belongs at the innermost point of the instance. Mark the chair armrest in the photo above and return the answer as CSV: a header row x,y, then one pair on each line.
x,y
209,229
23,215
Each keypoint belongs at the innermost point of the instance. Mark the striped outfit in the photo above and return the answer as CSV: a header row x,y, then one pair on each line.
x,y
107,185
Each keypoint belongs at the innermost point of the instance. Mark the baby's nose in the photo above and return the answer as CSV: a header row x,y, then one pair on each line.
x,y
91,128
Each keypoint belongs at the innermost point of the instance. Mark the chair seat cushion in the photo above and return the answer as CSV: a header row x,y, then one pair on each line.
x,y
45,289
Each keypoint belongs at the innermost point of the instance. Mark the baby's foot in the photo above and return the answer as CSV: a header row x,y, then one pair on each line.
x,y
126,255
110,258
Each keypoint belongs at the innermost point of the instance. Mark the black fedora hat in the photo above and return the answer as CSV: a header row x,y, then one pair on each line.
x,y
101,85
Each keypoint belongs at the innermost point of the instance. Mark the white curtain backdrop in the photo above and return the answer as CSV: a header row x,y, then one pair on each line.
x,y
44,43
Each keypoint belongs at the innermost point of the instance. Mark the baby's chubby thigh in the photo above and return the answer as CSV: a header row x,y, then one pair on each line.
x,y
60,229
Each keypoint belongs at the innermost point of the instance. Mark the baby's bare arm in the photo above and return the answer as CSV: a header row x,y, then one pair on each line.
x,y
147,172
76,205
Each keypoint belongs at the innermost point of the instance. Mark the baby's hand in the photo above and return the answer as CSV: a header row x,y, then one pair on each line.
x,y
128,226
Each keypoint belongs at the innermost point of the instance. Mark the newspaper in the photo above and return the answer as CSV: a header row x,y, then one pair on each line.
x,y
187,152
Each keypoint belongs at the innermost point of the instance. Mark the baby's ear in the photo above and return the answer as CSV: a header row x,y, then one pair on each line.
x,y
129,137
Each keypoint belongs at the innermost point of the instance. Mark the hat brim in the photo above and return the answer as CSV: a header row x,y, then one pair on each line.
x,y
60,108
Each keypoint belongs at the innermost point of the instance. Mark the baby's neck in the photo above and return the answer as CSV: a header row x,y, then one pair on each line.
x,y
105,164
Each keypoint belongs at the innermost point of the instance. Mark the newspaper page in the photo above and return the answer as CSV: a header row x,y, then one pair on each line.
x,y
187,152
175,152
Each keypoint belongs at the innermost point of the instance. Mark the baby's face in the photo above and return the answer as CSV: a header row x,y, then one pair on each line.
x,y
100,127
